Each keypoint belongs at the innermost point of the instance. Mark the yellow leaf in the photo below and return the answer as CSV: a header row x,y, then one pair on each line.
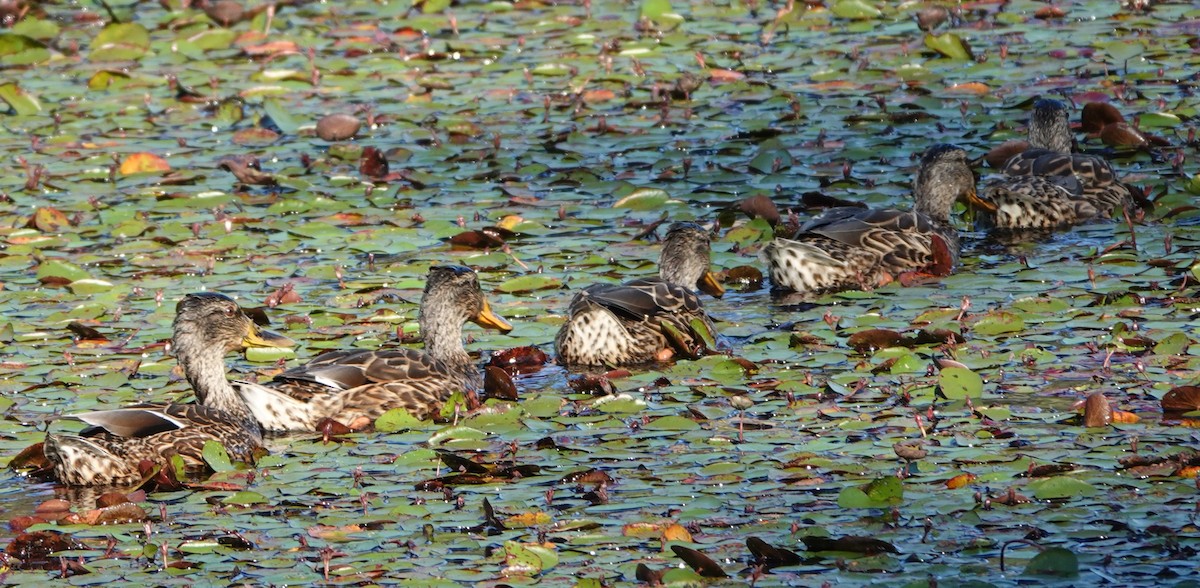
x,y
143,163
960,480
1125,417
527,519
641,530
510,221
676,532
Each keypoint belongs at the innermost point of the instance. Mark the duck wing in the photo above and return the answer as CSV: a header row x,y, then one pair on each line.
x,y
1088,170
144,420
638,299
859,227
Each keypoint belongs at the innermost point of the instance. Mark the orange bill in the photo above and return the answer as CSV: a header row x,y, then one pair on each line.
x,y
972,198
490,320
259,337
709,285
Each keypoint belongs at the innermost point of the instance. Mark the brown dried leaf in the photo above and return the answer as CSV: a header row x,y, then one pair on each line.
x,y
1097,412
769,556
1097,115
1122,134
373,163
127,512
1179,399
520,360
851,543
498,384
874,339
338,127
588,476
699,562
31,457
760,206
1004,151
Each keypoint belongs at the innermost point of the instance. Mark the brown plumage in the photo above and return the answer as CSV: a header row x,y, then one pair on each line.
x,y
356,386
649,319
207,326
853,248
1047,186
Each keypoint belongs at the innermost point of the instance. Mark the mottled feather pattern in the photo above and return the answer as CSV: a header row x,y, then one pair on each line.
x,y
99,457
207,326
356,384
644,320
1087,180
392,378
624,324
856,248
1033,202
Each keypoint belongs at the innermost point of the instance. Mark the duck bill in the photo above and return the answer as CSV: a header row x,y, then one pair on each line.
x,y
709,285
258,337
972,198
490,320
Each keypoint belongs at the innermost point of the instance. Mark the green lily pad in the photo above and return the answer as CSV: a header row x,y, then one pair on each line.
x,y
957,383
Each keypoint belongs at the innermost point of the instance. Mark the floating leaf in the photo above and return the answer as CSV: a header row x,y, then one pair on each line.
x,y
49,220
396,419
1055,561
1059,487
949,45
960,481
21,102
855,9
529,283
138,163
957,383
120,42
998,322
1181,399
528,559
245,498
216,457
643,199
879,493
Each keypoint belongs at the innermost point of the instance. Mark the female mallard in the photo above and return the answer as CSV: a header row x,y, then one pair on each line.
x,y
356,387
850,248
1047,186
207,326
649,319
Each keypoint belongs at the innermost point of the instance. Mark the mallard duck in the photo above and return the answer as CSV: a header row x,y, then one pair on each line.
x,y
207,326
356,387
1047,186
649,319
848,248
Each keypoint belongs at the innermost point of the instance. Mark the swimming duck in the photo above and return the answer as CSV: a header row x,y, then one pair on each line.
x,y
850,248
356,387
649,319
207,326
1047,186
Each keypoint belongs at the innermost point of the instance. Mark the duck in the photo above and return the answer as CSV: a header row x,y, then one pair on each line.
x,y
649,319
113,449
851,248
355,387
1047,186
